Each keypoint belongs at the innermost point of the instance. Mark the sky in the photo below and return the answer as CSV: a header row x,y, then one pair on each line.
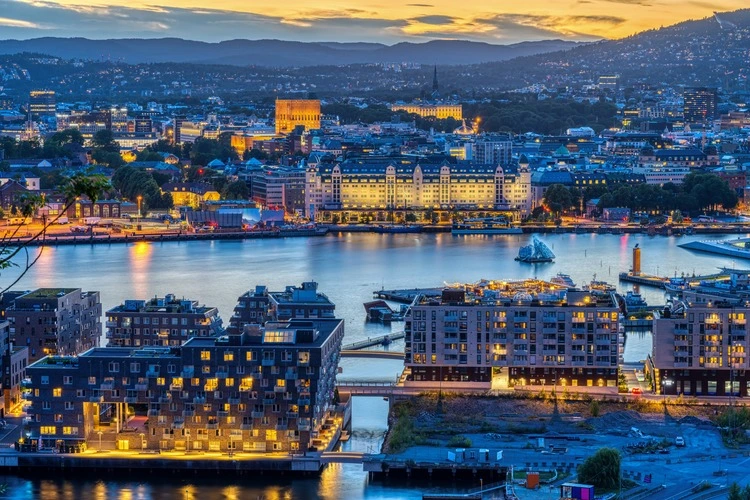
x,y
385,21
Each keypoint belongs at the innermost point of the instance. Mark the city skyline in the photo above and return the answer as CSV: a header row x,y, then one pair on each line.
x,y
580,20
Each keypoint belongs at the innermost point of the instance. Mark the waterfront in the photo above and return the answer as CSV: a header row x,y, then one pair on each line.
x,y
216,273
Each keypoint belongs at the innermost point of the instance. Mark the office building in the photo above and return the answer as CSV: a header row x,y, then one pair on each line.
x,y
161,321
535,332
291,113
279,188
42,103
64,321
699,104
267,390
492,150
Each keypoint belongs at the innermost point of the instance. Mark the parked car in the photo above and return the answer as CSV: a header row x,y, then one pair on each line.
x,y
679,441
636,391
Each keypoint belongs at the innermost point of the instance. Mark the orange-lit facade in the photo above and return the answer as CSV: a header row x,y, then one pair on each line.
x,y
440,111
293,112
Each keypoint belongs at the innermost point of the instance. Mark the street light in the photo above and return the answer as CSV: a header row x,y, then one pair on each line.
x,y
142,441
138,217
100,440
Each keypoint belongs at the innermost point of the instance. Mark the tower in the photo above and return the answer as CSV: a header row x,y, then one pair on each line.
x,y
434,81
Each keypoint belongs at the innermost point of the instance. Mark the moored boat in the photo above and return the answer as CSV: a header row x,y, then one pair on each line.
x,y
488,225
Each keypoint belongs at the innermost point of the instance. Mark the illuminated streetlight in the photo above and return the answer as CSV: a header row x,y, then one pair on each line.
x,y
138,218
100,440
143,443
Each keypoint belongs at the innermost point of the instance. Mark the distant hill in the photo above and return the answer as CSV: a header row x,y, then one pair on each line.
x,y
278,53
711,51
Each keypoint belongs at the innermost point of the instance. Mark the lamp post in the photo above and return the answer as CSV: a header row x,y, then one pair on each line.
x,y
138,216
187,443
142,441
100,440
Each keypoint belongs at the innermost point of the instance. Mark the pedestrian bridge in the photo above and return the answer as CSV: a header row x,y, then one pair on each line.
x,y
342,457
373,354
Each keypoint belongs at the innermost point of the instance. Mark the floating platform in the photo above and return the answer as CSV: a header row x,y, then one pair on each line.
x,y
407,296
739,248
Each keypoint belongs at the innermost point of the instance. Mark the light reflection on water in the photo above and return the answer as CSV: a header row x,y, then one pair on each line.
x,y
348,268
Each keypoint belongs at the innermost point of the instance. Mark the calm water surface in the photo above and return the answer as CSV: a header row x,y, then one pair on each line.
x,y
348,268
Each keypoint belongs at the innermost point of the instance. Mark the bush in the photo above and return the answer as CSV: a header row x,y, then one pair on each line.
x,y
602,469
594,408
459,441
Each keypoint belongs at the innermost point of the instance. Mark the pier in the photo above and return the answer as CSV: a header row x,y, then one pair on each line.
x,y
407,296
373,341
644,279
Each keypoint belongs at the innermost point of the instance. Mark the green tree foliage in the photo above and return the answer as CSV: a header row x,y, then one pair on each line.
x,y
134,182
104,140
204,150
558,198
60,143
236,190
602,469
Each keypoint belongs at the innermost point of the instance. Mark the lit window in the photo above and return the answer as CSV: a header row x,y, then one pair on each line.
x,y
48,430
206,355
229,356
57,392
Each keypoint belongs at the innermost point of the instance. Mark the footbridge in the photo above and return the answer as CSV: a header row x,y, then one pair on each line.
x,y
343,457
348,353
374,341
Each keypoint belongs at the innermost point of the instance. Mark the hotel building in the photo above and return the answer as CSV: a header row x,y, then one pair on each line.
x,y
362,186
65,321
293,112
255,307
536,332
267,390
161,321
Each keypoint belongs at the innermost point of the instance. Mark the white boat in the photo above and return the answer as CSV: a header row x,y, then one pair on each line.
x,y
487,225
563,280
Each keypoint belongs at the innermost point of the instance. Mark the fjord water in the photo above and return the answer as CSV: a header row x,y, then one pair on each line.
x,y
348,268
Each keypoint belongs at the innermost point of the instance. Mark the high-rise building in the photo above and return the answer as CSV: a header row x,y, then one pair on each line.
x,y
293,112
267,390
536,332
700,104
161,321
42,103
64,321
492,149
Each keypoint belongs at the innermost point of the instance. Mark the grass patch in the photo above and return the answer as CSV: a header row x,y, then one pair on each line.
x,y
459,442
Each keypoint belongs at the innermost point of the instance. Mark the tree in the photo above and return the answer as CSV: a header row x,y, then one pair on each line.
x,y
79,185
104,140
557,198
236,190
602,469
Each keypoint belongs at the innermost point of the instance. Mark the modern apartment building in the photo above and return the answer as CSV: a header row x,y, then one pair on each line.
x,y
255,307
701,345
536,332
161,321
64,321
267,390
13,361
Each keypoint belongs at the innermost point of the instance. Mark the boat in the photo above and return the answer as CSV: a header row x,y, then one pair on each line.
x,y
676,285
398,228
563,279
537,252
487,225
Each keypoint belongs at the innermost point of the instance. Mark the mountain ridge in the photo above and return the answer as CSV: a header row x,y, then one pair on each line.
x,y
278,53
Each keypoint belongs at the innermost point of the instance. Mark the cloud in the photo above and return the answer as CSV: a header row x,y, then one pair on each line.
x,y
17,23
419,5
436,19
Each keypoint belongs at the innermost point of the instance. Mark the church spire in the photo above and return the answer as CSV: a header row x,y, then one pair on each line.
x,y
434,80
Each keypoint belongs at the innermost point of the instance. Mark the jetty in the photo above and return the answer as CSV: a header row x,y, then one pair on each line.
x,y
373,341
407,296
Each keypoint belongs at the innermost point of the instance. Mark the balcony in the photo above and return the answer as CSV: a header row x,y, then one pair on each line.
x,y
268,362
108,386
153,413
281,427
175,387
258,414
130,399
303,427
152,374
246,427
279,388
188,372
292,414
178,424
712,365
141,387
245,388
212,426
681,343
222,374
199,400
188,413
111,324
222,413
165,400
96,399
234,401
681,364
303,402
269,401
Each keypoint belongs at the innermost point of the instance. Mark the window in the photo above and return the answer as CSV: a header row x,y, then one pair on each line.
x,y
67,380
48,430
70,431
45,380
114,367
206,355
57,392
228,356
68,405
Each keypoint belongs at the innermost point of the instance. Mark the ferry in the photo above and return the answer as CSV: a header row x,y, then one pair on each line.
x,y
563,280
486,225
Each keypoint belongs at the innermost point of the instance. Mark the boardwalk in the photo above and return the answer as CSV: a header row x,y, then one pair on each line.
x,y
373,341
